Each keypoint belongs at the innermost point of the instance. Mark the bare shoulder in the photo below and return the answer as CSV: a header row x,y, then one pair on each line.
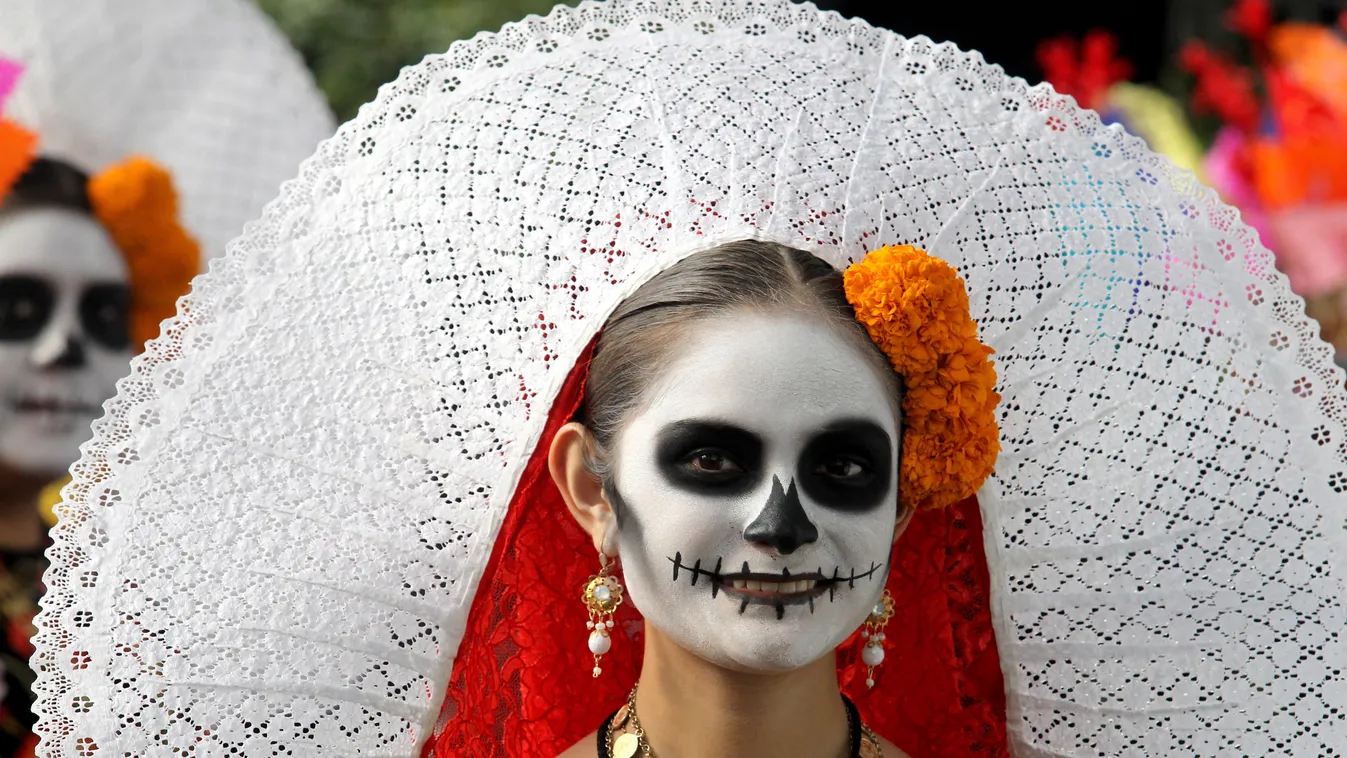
x,y
588,747
891,750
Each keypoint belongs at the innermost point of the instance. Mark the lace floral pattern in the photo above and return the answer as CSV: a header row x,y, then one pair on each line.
x,y
345,404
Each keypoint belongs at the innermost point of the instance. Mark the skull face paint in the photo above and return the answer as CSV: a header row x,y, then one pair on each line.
x,y
64,301
756,491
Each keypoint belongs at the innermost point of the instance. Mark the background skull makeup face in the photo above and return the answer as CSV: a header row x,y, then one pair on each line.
x,y
756,491
64,298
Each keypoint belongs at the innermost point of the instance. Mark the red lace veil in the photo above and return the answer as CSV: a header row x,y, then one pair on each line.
x,y
522,686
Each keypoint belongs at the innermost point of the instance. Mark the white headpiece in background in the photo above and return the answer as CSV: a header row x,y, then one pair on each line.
x,y
272,543
209,89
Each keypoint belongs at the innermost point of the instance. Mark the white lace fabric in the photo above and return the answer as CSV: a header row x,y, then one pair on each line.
x,y
208,88
273,539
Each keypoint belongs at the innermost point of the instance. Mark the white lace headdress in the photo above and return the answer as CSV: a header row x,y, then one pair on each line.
x,y
272,541
209,89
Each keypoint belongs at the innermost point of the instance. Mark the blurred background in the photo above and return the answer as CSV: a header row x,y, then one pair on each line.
x,y
354,46
1249,94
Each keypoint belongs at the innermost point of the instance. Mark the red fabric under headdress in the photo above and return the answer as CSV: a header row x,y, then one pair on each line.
x,y
522,687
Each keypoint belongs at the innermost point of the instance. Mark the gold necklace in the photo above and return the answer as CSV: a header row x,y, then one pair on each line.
x,y
631,739
628,743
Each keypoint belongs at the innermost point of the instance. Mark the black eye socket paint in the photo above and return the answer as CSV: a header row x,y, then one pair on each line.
x,y
848,466
105,313
26,305
708,457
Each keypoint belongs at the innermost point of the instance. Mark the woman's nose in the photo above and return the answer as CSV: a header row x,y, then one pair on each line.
x,y
782,524
59,347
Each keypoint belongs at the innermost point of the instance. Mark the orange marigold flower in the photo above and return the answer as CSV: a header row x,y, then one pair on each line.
x,y
915,308
961,385
136,202
18,146
946,461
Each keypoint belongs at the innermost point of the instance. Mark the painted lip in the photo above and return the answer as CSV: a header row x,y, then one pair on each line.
x,y
53,405
775,589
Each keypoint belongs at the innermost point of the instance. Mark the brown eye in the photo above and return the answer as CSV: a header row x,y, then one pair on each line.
x,y
842,468
712,462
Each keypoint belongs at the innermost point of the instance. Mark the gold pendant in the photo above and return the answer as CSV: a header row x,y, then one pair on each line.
x,y
625,746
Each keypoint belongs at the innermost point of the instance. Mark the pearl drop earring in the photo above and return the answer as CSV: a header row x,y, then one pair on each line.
x,y
602,596
873,653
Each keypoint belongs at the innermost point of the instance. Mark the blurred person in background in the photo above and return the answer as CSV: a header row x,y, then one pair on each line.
x,y
120,173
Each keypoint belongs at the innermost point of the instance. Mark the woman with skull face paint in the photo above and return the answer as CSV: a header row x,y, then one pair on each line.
x,y
739,425
74,305
576,344
90,264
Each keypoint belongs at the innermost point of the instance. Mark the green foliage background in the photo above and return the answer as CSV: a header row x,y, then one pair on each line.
x,y
353,46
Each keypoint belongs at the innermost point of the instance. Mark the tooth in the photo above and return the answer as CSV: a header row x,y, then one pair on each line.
x,y
790,588
752,585
809,584
740,584
773,587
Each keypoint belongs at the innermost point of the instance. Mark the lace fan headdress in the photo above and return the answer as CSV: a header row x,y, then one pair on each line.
x,y
316,520
208,89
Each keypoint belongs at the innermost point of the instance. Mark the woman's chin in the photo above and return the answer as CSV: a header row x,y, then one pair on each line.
x,y
759,654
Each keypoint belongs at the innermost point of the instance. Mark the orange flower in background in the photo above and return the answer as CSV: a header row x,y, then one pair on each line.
x,y
915,308
1315,57
136,202
18,146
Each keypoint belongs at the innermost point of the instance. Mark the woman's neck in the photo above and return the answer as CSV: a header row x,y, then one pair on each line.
x,y
21,526
690,708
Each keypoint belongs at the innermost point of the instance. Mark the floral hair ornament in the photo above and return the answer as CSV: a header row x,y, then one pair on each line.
x,y
136,202
915,307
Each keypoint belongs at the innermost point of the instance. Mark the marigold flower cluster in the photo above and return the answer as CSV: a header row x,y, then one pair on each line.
x,y
916,309
136,202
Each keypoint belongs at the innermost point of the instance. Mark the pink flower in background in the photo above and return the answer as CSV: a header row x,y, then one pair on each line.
x,y
1312,247
1229,177
9,76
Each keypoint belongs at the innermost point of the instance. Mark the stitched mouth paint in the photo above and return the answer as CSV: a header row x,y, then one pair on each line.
x,y
778,590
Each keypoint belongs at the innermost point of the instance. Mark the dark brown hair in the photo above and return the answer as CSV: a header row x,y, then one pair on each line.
x,y
638,339
50,183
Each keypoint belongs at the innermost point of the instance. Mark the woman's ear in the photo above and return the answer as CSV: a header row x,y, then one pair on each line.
x,y
580,488
905,515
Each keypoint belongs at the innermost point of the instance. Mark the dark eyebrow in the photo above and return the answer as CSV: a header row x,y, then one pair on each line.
x,y
856,426
676,439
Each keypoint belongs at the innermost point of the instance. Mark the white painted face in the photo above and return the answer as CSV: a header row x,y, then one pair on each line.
x,y
63,334
757,492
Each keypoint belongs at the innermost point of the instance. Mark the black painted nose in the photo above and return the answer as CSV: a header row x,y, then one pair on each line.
x,y
782,524
72,355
